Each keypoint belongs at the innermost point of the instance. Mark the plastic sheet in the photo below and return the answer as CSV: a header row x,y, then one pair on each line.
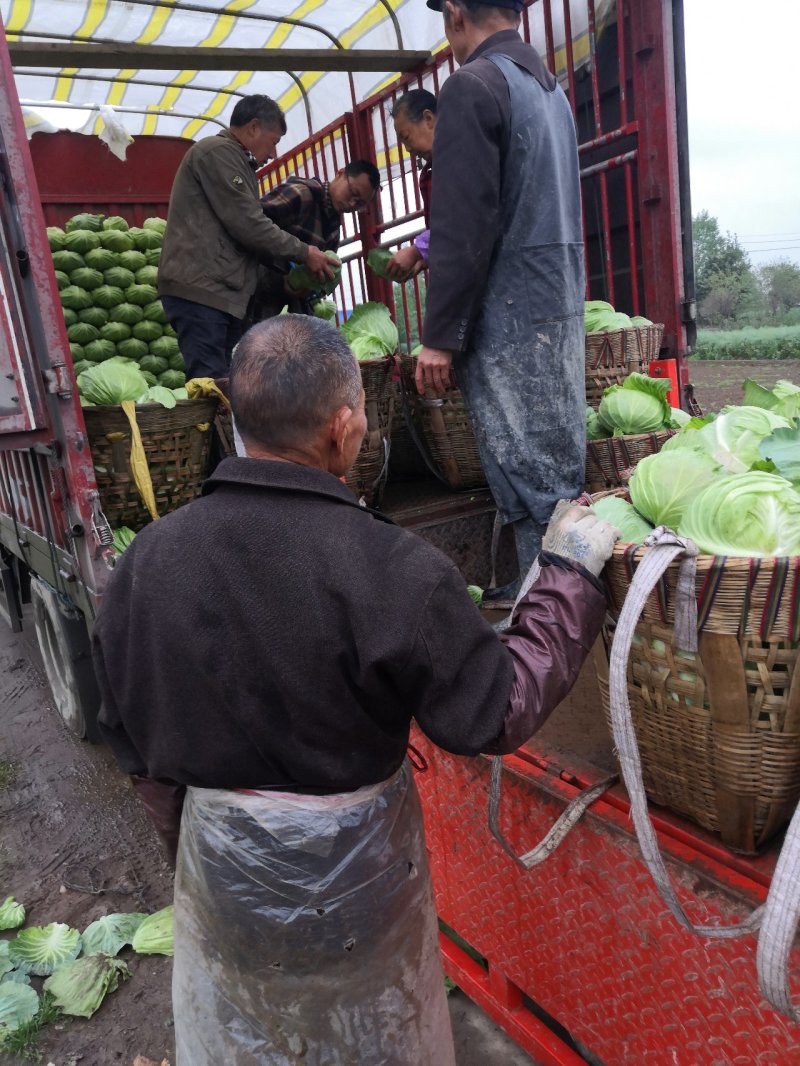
x,y
306,933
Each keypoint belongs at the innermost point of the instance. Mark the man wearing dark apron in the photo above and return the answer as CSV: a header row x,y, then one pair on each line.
x,y
506,290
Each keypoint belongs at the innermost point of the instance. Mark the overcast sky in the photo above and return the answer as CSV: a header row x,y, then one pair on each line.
x,y
743,67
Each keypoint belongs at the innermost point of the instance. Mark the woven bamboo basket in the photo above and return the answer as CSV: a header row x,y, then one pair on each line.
x,y
405,461
447,432
610,357
719,731
611,461
367,477
176,444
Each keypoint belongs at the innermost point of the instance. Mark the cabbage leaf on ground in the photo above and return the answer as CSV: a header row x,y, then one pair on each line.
x,y
12,914
19,1003
40,949
154,935
78,988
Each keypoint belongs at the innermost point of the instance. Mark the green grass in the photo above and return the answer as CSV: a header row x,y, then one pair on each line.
x,y
766,342
24,1041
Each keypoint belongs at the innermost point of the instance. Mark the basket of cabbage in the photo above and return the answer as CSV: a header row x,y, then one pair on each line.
x,y
719,728
150,444
107,275
634,420
616,345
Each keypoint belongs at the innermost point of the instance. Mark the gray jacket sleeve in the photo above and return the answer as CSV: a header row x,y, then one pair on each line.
x,y
465,208
238,210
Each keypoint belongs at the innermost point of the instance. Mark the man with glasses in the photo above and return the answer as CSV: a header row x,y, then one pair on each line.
x,y
311,210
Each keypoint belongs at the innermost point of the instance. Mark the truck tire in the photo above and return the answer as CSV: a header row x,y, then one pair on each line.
x,y
66,653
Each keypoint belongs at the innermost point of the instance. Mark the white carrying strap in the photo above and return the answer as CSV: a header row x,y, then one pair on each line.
x,y
665,546
779,924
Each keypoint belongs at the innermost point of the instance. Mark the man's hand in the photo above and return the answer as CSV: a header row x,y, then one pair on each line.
x,y
320,264
434,371
576,533
405,263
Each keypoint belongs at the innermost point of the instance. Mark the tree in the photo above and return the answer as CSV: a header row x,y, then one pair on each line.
x,y
722,270
780,283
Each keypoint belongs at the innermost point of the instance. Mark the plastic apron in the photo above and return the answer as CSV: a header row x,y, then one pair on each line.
x,y
306,932
523,376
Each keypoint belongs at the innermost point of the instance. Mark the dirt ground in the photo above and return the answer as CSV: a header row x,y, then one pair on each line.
x,y
718,383
76,845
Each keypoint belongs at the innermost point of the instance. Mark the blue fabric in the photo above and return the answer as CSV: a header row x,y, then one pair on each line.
x,y
523,376
206,336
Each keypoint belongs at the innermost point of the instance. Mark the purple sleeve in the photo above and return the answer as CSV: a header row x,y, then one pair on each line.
x,y
423,243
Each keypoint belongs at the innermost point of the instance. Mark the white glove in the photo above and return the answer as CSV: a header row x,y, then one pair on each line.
x,y
575,532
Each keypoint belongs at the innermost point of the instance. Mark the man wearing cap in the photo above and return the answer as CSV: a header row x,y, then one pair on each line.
x,y
506,289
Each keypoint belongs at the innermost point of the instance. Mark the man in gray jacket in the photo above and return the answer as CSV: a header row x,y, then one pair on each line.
x,y
217,234
506,290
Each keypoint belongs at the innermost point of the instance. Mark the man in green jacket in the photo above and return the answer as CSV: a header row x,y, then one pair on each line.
x,y
217,234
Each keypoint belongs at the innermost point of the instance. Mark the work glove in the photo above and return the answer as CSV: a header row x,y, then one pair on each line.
x,y
576,533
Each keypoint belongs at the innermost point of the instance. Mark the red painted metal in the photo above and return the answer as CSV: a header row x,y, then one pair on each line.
x,y
585,936
78,173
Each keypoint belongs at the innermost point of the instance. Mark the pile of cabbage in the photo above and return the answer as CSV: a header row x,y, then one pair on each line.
x,y
639,405
78,969
107,274
599,316
731,483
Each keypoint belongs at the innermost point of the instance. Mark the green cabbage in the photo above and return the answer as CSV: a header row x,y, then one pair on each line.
x,y
172,379
115,332
12,914
158,225
153,256
80,363
132,260
733,438
151,379
112,932
679,418
154,364
100,259
108,296
141,294
115,222
83,333
663,485
62,279
180,394
378,260
594,430
132,349
170,332
116,241
159,394
475,594
154,312
67,261
595,313
165,347
176,361
154,935
86,278
119,277
782,451
325,309
622,515
55,238
81,241
111,382
638,321
100,350
370,331
84,221
70,316
19,1004
76,354
749,514
95,316
147,331
783,399
639,405
40,949
78,988
128,313
143,239
301,279
148,275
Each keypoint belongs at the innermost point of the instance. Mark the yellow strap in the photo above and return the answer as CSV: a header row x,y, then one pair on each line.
x,y
138,460
205,387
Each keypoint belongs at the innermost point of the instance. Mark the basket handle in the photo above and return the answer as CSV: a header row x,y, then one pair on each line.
x,y
138,460
779,924
665,546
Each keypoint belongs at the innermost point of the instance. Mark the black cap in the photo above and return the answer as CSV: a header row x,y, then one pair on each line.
x,y
513,5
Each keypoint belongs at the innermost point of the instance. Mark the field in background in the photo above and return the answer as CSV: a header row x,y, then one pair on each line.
x,y
717,383
766,342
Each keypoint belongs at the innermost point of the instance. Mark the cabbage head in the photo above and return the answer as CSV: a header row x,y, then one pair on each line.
x,y
141,295
595,314
55,238
128,313
86,278
151,379
176,361
62,279
132,349
378,261
594,431
119,277
100,259
100,350
300,278
156,224
733,438
12,914
70,316
370,332
325,309
147,331
67,261
76,353
143,239
132,260
83,333
115,332
80,364
679,418
153,256
639,322
165,347
663,485
111,382
154,312
81,241
108,296
95,316
783,399
154,364
115,222
623,516
116,241
639,405
172,379
148,275
84,221
751,514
